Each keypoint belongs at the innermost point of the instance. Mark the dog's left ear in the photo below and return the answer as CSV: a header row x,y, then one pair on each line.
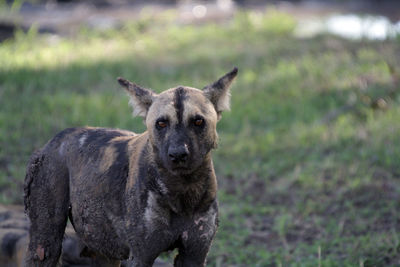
x,y
141,98
218,92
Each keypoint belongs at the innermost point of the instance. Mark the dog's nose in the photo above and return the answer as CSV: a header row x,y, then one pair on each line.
x,y
178,154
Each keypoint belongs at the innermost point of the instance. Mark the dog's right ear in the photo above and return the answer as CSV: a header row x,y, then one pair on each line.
x,y
141,98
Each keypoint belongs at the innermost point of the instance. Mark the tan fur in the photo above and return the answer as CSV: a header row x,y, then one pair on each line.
x,y
107,159
128,136
135,146
198,104
163,105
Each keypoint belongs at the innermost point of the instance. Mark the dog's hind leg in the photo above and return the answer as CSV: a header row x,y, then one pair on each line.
x,y
46,197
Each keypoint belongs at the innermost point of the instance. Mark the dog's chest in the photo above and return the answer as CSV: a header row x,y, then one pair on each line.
x,y
159,217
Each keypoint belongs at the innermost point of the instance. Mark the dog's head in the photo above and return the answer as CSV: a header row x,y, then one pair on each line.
x,y
181,121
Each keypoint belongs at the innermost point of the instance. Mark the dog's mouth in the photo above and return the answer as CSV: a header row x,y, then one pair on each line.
x,y
181,167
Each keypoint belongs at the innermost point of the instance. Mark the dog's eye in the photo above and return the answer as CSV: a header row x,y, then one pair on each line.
x,y
198,122
162,124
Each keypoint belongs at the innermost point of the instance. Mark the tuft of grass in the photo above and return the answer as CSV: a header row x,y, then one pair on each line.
x,y
307,161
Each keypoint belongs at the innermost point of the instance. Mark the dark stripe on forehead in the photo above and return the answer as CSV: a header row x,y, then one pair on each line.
x,y
180,96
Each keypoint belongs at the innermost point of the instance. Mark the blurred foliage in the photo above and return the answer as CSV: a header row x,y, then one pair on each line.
x,y
10,7
308,156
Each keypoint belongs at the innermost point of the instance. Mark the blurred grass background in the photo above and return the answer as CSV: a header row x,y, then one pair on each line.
x,y
308,161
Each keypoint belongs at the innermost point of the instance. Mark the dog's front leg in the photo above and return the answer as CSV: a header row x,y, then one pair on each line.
x,y
196,240
136,263
141,256
145,248
194,256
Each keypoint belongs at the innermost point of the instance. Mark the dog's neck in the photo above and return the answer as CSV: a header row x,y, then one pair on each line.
x,y
188,193
182,193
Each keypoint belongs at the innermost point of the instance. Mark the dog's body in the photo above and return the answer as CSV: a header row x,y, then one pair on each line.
x,y
132,195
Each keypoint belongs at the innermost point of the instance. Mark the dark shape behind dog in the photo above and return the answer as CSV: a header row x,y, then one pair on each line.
x,y
132,196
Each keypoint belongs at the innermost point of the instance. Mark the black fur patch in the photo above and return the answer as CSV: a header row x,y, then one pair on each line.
x,y
143,177
61,135
118,172
180,96
100,137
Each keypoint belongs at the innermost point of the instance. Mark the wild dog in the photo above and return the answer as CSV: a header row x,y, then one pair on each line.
x,y
132,196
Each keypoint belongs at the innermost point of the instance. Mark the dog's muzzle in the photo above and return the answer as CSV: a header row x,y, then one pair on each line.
x,y
179,154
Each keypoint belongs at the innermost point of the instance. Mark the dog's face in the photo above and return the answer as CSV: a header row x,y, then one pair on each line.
x,y
182,121
182,128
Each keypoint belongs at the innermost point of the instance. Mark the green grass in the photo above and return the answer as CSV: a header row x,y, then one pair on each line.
x,y
308,160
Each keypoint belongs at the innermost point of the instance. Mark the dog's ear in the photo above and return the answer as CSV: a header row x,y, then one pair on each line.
x,y
218,92
141,98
